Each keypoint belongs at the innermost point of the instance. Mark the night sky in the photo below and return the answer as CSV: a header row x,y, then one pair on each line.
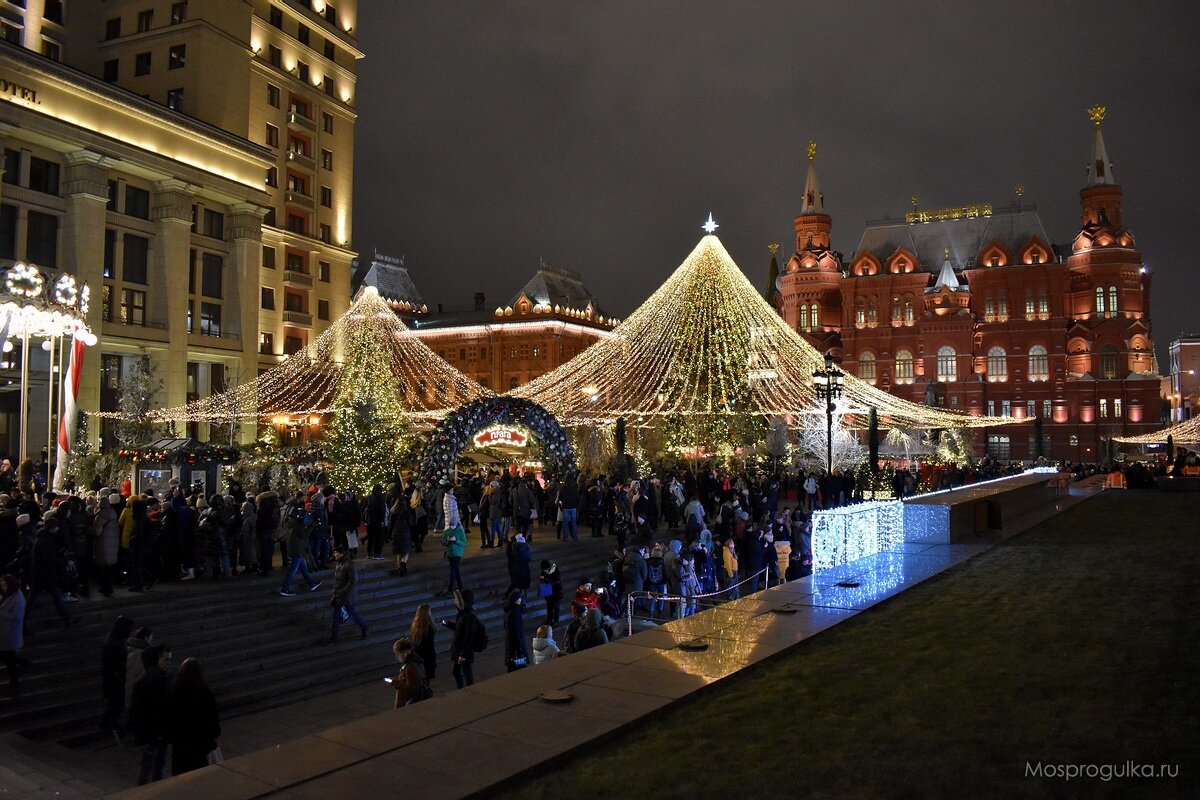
x,y
598,136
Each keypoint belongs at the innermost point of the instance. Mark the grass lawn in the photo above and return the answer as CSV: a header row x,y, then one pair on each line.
x,y
1074,643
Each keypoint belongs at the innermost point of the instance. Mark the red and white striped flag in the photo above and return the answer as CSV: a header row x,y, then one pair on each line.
x,y
66,419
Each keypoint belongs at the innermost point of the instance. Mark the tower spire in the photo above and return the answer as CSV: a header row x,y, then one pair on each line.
x,y
1100,169
814,201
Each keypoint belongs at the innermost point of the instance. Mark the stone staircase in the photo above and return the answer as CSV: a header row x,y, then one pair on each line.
x,y
261,650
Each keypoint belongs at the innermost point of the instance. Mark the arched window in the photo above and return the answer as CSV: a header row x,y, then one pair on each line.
x,y
896,310
866,367
908,310
814,315
1039,364
904,366
872,314
989,306
947,364
1100,300
1108,362
997,365
860,312
1002,307
1029,306
1112,301
803,316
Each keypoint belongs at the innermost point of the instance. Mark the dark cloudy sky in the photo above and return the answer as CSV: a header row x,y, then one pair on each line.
x,y
599,135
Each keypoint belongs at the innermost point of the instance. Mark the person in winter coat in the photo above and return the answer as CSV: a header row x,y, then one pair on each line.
x,y
591,631
400,528
113,662
568,501
467,631
411,683
634,571
48,558
248,548
195,725
454,539
553,578
729,562
519,556
297,545
523,503
148,711
141,639
421,633
496,514
585,597
515,655
672,562
656,579
544,646
345,591
12,630
689,583
376,518
268,513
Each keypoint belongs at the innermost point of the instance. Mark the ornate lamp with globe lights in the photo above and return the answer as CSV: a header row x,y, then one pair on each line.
x,y
34,305
829,383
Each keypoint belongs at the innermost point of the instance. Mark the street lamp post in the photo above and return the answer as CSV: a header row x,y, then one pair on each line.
x,y
829,383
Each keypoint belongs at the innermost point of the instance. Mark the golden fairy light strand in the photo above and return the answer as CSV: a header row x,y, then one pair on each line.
x,y
1186,432
308,382
703,339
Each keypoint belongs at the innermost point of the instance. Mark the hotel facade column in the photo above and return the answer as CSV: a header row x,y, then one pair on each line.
x,y
244,234
86,184
171,212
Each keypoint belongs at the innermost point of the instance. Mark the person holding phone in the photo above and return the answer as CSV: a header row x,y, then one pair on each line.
x,y
410,682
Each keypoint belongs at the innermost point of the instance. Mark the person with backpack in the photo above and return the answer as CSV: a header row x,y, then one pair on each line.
x,y
410,682
470,638
297,544
591,631
656,579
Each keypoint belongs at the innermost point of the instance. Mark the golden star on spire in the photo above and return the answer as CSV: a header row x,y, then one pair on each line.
x,y
812,150
915,200
1096,114
1020,190
773,247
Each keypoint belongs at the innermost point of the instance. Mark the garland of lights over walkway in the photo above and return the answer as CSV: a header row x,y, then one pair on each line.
x,y
310,381
1186,432
706,344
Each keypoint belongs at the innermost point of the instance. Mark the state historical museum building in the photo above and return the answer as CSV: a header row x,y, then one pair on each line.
x,y
974,309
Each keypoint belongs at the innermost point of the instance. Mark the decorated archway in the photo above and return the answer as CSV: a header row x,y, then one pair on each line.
x,y
455,434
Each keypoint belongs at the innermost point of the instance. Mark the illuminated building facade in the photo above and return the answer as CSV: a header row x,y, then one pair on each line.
x,y
1182,389
973,308
549,321
195,161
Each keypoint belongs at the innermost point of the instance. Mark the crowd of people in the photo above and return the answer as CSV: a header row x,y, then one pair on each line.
x,y
681,540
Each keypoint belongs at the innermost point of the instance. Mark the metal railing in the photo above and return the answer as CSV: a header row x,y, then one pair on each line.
x,y
705,599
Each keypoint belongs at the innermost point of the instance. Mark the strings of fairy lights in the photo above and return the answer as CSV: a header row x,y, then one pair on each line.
x,y
707,337
1186,432
310,381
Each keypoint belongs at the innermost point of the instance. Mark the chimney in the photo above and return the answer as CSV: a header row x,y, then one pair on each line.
x,y
480,301
439,308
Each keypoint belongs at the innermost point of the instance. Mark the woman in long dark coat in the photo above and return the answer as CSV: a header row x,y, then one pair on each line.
x,y
194,723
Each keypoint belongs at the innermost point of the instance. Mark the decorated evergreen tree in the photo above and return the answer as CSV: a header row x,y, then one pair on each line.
x,y
139,390
368,435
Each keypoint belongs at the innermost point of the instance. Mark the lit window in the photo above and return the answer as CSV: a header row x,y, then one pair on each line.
x,y
860,313
1099,299
991,408
803,316
1006,408
1047,412
997,365
175,99
896,318
177,56
1108,362
904,366
908,311
1117,407
1031,408
813,313
1029,305
872,315
999,447
1112,301
947,364
266,343
1103,408
1039,364
866,367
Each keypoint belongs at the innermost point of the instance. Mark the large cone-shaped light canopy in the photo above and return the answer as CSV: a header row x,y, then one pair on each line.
x,y
706,343
308,382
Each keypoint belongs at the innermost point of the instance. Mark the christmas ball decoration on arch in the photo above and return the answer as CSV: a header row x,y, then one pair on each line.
x,y
454,434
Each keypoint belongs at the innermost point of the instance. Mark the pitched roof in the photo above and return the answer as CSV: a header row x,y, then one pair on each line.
x,y
557,287
964,237
389,275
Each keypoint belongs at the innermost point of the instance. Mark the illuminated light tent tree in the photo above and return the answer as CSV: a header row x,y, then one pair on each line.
x,y
706,357
1182,433
368,371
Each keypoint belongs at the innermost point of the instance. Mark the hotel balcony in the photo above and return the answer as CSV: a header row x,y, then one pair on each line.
x,y
301,160
297,278
302,200
297,318
300,122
